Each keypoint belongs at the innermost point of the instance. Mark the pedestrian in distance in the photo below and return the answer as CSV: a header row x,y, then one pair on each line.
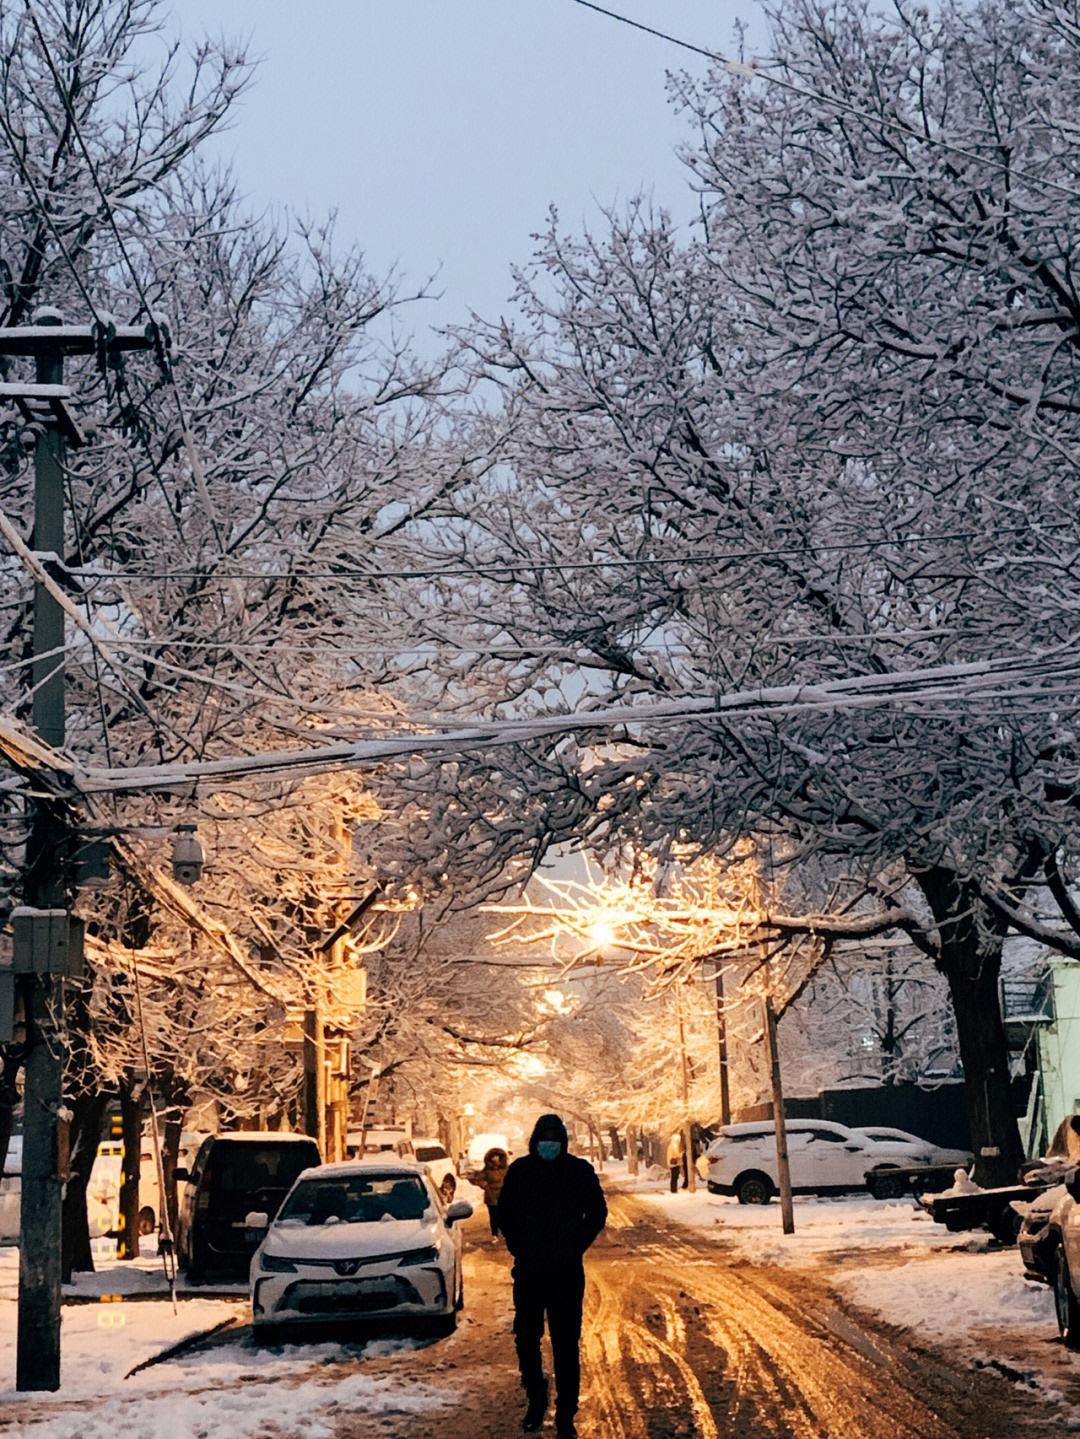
x,y
550,1211
491,1182
676,1160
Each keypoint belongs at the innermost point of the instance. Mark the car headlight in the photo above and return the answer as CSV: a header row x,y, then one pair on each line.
x,y
271,1264
420,1256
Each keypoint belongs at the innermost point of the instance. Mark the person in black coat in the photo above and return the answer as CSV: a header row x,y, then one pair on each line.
x,y
550,1210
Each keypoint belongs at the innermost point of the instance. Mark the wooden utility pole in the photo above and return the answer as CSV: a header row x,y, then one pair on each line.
x,y
783,1168
315,1078
49,866
721,1049
687,1127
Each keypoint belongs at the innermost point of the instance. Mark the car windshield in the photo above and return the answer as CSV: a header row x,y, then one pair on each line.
x,y
353,1199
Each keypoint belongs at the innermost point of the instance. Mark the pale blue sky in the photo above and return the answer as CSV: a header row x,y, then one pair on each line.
x,y
441,130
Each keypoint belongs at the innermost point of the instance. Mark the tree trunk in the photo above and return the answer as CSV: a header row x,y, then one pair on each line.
x,y
970,959
89,1116
170,1155
632,1149
616,1142
176,1098
131,1112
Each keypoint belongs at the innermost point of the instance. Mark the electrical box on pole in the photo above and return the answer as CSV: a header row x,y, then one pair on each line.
x,y
47,939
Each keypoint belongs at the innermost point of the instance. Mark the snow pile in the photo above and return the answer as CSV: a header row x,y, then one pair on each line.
x,y
195,1409
944,1293
945,1286
234,1390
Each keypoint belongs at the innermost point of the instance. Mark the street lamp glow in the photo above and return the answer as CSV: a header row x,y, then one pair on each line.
x,y
602,934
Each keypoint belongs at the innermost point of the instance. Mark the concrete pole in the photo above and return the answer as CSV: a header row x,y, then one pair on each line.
x,y
37,1362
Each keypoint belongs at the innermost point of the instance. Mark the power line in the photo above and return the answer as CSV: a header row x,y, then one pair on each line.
x,y
930,693
480,570
428,647
753,72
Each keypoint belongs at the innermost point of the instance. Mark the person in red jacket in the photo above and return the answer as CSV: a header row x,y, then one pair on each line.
x,y
550,1210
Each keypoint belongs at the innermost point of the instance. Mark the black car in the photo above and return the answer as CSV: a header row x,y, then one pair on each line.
x,y
233,1176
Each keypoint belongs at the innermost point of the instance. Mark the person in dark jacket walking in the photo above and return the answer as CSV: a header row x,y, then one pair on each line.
x,y
550,1210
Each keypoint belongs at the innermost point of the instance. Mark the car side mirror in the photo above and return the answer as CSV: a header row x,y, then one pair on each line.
x,y
257,1220
1072,1183
460,1209
181,1173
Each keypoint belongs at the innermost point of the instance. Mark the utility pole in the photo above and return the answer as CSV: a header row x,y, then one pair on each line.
x,y
772,1056
687,1127
50,854
721,1048
315,1077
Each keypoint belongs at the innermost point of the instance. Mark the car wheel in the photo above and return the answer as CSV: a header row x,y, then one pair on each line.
x,y
1005,1226
1066,1305
883,1184
753,1188
195,1269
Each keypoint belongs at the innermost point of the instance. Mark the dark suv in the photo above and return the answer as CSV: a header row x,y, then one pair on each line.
x,y
234,1175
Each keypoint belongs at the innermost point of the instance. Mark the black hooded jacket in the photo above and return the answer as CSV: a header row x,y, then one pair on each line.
x,y
550,1210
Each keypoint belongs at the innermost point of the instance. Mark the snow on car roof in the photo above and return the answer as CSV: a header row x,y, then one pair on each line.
x,y
260,1136
373,1163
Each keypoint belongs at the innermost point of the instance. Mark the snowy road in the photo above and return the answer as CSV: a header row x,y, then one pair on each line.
x,y
683,1337
683,1343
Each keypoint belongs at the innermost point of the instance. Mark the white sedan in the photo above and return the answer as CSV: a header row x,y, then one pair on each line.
x,y
361,1240
824,1158
921,1150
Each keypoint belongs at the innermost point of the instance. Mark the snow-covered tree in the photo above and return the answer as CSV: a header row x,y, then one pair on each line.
x,y
239,530
832,437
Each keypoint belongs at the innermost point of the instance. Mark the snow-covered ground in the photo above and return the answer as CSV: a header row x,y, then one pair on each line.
x,y
232,1392
888,1257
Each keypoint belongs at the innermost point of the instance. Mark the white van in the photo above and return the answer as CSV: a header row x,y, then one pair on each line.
x,y
103,1191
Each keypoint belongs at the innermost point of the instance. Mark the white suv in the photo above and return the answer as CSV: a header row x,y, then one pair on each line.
x,y
823,1157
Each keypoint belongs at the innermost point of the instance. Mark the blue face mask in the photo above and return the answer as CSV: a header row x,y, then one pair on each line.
x,y
549,1148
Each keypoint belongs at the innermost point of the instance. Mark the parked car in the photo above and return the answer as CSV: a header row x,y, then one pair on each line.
x,y
432,1155
233,1175
824,1157
921,1150
359,1240
1049,1243
361,1142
